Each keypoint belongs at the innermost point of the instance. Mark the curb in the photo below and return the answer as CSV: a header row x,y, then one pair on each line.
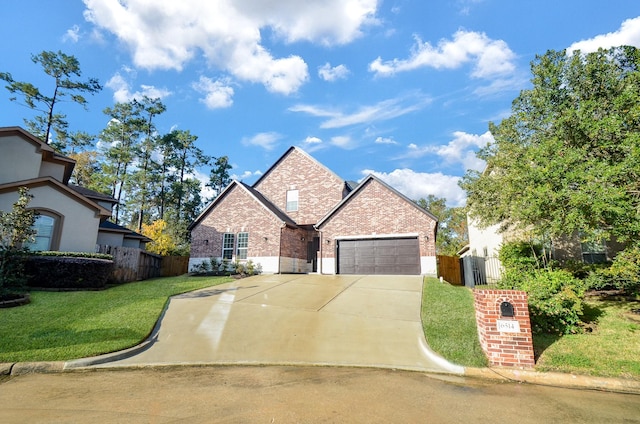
x,y
570,381
22,368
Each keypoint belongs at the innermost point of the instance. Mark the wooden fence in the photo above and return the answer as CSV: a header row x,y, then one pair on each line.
x,y
132,264
174,265
449,269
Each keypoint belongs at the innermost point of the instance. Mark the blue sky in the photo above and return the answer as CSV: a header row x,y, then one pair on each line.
x,y
403,89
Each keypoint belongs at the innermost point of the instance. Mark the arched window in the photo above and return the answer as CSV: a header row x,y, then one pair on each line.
x,y
46,237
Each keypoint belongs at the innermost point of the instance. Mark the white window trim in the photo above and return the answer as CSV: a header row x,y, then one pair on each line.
x,y
293,199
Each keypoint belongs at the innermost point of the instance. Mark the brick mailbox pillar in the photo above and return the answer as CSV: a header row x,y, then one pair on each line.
x,y
504,328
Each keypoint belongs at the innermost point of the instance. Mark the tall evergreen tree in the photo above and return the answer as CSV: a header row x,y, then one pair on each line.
x,y
65,70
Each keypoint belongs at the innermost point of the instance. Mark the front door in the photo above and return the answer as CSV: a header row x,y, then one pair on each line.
x,y
312,253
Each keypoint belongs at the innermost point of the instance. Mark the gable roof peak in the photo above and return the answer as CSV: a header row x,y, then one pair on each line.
x,y
359,188
285,155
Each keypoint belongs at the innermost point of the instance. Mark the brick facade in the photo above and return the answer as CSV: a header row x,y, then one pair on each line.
x,y
376,210
287,241
237,212
504,349
319,189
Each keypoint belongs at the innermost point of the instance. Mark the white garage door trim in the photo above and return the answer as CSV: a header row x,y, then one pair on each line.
x,y
399,255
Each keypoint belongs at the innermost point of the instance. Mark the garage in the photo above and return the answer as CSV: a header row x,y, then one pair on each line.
x,y
386,256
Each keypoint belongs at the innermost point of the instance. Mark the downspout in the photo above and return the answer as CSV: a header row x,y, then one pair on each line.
x,y
321,251
280,248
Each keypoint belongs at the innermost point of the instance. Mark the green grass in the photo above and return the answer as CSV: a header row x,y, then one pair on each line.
x,y
612,349
66,325
449,323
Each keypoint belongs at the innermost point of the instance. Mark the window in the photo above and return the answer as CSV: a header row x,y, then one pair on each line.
x,y
292,200
594,252
44,226
228,243
243,244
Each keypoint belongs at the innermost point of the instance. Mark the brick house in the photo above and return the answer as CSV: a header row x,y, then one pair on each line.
x,y
300,217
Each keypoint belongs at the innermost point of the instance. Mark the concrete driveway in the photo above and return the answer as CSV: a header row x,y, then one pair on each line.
x,y
346,320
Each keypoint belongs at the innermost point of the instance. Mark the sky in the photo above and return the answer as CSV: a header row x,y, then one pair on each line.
x,y
402,89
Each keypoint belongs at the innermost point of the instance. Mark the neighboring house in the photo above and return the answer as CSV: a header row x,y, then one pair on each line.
x,y
300,217
70,218
480,257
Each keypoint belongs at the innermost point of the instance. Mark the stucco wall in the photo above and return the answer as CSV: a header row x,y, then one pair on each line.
x,y
110,239
319,189
55,170
19,160
79,231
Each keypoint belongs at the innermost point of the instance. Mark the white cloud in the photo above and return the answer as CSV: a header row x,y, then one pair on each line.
x,y
205,192
218,94
122,90
266,140
72,34
246,175
382,111
628,34
167,34
343,141
460,150
329,73
312,140
491,58
501,85
385,140
417,185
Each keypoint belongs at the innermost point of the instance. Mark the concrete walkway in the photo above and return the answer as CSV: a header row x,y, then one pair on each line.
x,y
369,321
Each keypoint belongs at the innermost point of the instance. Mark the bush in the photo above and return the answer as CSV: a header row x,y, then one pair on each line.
x,y
67,272
215,267
75,254
623,274
12,276
15,231
521,256
555,296
555,299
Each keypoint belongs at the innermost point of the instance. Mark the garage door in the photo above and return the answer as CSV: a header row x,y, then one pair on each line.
x,y
396,256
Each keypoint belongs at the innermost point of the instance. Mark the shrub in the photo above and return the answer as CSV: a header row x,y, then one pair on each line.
x,y
15,231
75,254
12,276
213,266
68,272
555,296
555,299
623,274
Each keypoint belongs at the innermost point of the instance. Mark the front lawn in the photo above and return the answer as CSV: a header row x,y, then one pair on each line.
x,y
66,325
610,349
449,323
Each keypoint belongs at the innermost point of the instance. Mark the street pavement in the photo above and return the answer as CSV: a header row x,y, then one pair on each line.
x,y
281,394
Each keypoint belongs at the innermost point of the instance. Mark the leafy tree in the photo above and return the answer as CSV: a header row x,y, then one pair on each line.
x,y
568,157
452,225
63,69
16,229
163,242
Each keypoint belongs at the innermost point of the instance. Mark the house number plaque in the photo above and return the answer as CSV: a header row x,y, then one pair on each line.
x,y
508,326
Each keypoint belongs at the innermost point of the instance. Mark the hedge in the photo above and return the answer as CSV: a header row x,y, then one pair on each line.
x,y
68,272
